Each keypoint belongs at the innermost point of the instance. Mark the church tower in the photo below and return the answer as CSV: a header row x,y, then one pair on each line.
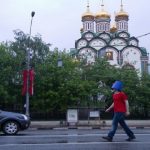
x,y
88,20
99,41
102,20
121,19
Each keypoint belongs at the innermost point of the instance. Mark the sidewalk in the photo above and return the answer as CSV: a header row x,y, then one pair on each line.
x,y
85,124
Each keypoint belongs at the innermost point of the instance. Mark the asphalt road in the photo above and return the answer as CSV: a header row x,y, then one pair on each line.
x,y
82,139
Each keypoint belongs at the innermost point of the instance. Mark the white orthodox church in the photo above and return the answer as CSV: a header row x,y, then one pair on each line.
x,y
98,40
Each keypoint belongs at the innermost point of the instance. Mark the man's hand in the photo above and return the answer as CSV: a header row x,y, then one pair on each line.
x,y
107,110
127,113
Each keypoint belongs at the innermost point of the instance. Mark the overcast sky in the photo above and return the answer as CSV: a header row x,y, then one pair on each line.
x,y
59,21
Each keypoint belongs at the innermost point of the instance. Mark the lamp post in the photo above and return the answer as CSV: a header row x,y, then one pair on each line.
x,y
28,68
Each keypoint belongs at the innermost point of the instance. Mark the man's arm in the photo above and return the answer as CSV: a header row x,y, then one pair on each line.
x,y
127,113
111,107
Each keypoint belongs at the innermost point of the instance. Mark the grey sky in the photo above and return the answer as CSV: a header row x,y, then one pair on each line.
x,y
59,21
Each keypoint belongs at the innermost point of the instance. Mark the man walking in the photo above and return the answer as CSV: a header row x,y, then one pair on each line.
x,y
121,109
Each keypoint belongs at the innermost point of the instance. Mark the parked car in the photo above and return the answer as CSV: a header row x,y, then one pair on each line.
x,y
11,123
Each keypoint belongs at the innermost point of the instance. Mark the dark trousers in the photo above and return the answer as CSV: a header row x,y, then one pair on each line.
x,y
119,118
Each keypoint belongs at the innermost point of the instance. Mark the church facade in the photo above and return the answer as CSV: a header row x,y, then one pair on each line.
x,y
98,40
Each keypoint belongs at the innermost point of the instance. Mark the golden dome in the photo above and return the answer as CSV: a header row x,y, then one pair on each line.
x,y
88,13
113,29
102,13
81,30
122,13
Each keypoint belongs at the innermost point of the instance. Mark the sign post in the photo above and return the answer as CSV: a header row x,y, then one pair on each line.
x,y
72,116
95,114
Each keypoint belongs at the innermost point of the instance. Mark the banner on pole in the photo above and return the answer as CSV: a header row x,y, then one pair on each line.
x,y
31,81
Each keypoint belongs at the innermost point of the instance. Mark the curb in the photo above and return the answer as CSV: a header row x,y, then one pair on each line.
x,y
86,125
81,128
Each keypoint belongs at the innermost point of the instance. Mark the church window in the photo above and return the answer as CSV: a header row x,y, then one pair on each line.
x,y
90,25
102,27
99,27
126,26
105,27
120,26
87,26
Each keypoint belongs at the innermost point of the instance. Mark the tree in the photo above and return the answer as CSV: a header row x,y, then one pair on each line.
x,y
13,62
142,96
73,85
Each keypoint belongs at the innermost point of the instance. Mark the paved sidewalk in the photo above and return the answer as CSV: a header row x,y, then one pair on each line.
x,y
85,124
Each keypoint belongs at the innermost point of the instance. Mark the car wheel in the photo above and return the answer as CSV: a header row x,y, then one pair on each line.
x,y
10,127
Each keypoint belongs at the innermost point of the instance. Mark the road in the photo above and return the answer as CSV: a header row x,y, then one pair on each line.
x,y
72,139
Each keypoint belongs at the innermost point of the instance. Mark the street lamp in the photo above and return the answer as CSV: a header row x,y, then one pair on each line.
x,y
28,68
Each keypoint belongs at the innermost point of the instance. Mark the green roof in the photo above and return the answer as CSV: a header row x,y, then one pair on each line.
x,y
73,51
144,51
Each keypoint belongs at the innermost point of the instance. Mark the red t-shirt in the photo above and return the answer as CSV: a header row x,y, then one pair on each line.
x,y
119,101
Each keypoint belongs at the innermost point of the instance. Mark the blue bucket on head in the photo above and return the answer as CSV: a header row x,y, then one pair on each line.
x,y
118,85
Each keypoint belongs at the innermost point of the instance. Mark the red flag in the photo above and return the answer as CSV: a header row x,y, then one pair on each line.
x,y
31,82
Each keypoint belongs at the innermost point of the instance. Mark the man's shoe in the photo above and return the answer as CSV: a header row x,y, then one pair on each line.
x,y
131,138
109,139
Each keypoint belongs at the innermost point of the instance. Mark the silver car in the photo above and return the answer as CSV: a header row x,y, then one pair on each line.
x,y
11,123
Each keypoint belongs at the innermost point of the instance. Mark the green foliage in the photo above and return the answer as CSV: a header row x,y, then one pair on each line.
x,y
73,85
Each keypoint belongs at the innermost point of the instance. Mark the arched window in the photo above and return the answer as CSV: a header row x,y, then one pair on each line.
x,y
88,26
96,27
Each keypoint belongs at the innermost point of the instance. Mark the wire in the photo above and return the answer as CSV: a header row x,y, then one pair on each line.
x,y
143,35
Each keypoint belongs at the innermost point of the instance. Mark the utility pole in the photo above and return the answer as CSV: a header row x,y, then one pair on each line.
x,y
28,69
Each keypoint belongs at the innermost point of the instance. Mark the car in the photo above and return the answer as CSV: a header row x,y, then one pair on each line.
x,y
11,122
